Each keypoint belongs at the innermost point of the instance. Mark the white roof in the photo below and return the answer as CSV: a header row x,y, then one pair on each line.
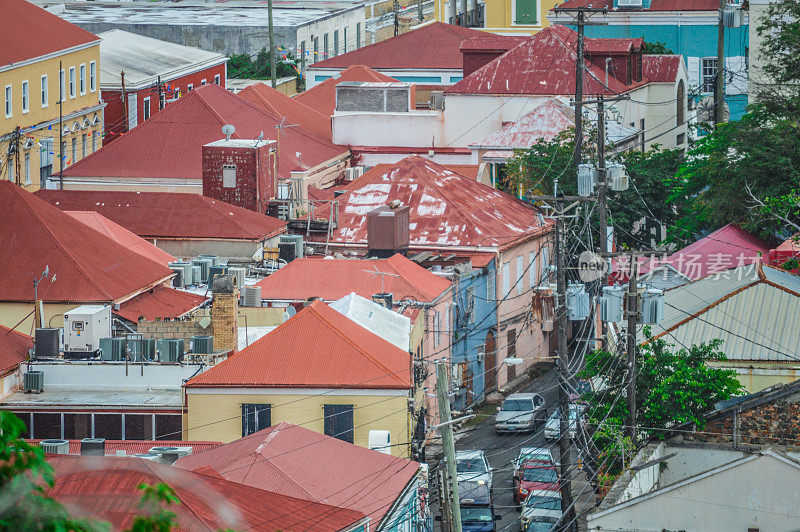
x,y
143,59
391,326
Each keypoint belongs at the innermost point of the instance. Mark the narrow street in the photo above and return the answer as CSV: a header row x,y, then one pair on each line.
x,y
502,449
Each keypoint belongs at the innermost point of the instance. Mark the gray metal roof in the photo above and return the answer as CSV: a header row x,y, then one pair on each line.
x,y
756,323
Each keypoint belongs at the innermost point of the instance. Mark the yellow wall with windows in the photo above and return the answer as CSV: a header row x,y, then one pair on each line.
x,y
500,15
217,416
40,120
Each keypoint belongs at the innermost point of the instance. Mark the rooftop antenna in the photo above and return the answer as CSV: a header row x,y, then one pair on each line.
x,y
382,275
259,139
228,130
282,125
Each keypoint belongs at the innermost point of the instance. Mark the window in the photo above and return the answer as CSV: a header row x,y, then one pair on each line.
x,y
45,160
27,168
526,12
190,87
437,328
358,35
83,79
490,285
302,52
229,175
62,154
94,141
44,91
344,41
316,49
545,271
47,425
146,108
506,278
71,82
520,273
9,102
216,79
511,352
83,145
708,72
203,82
11,169
93,76
532,269
255,417
680,138
168,427
680,104
335,42
77,426
25,97
108,426
138,426
62,95
325,46
339,421
74,150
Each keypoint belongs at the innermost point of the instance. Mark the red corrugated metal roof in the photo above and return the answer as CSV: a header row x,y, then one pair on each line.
x,y
544,64
322,97
168,214
89,266
491,41
320,194
790,249
119,234
106,488
433,46
332,279
132,447
29,32
447,209
158,303
545,122
169,144
295,111
655,5
661,68
13,349
294,460
316,348
467,170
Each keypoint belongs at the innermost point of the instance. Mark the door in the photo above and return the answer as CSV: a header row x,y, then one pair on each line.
x,y
339,421
511,371
490,362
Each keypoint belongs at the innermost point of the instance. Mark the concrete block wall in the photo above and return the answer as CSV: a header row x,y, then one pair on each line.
x,y
173,329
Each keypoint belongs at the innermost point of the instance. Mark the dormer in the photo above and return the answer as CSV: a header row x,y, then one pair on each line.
x,y
619,58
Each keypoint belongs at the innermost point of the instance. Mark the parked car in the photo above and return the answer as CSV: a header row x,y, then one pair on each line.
x,y
579,390
473,466
541,511
535,475
520,412
533,453
476,507
552,429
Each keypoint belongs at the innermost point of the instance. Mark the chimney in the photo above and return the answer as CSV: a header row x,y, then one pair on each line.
x,y
383,299
224,308
388,230
241,172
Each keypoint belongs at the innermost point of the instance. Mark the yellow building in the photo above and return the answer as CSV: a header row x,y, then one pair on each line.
x,y
509,17
48,67
319,370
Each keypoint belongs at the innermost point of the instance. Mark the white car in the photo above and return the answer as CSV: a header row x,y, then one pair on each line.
x,y
520,412
541,511
552,429
472,466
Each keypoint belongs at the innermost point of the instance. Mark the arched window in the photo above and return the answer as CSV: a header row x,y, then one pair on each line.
x,y
680,103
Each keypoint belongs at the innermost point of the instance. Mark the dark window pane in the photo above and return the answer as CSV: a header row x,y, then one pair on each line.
x,y
168,427
47,426
26,418
339,421
139,427
255,417
108,426
77,426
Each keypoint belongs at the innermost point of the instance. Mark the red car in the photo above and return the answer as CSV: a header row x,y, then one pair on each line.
x,y
534,475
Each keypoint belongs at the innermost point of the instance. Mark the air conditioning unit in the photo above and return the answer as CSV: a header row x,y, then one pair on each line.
x,y
239,275
547,325
177,281
437,100
218,270
251,296
586,179
48,342
55,446
197,273
148,349
381,441
205,268
297,240
169,350
203,345
351,174
112,349
215,261
33,381
168,455
148,456
135,349
93,446
611,304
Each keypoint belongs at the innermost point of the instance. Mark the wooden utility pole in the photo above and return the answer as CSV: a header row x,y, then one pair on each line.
x,y
602,176
420,16
61,91
719,80
450,487
124,102
17,166
271,46
396,10
160,101
633,319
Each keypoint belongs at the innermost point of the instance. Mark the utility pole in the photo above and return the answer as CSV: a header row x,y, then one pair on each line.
x,y
602,175
16,143
62,91
124,102
450,488
633,318
579,90
160,101
396,10
420,16
719,81
271,47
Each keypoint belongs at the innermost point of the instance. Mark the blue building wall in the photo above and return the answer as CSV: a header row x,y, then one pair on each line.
x,y
469,335
687,40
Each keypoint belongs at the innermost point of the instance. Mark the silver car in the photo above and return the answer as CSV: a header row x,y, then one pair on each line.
x,y
520,412
472,466
552,430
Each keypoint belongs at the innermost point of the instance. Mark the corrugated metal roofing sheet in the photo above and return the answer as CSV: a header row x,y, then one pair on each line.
x,y
655,5
116,232
446,209
433,46
294,460
322,97
295,111
29,31
661,68
332,279
87,265
131,447
316,348
13,349
173,138
159,303
389,325
168,214
107,489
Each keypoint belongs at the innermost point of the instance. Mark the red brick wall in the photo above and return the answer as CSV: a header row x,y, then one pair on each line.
x,y
115,118
255,175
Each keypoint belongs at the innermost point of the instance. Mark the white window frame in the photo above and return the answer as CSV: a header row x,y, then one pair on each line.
x,y
437,328
92,76
228,179
72,82
62,86
82,78
520,274
45,95
190,87
9,93
217,79
514,15
27,168
506,278
26,96
545,264
703,75
532,269
12,176
146,108
203,82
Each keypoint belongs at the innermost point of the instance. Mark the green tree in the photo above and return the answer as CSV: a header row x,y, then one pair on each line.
x,y
672,387
779,30
156,517
243,66
656,48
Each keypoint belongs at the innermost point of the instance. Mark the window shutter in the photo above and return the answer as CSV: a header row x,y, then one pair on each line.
x,y
693,68
339,422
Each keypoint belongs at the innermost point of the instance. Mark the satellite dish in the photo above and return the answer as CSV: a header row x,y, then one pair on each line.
x,y
228,130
